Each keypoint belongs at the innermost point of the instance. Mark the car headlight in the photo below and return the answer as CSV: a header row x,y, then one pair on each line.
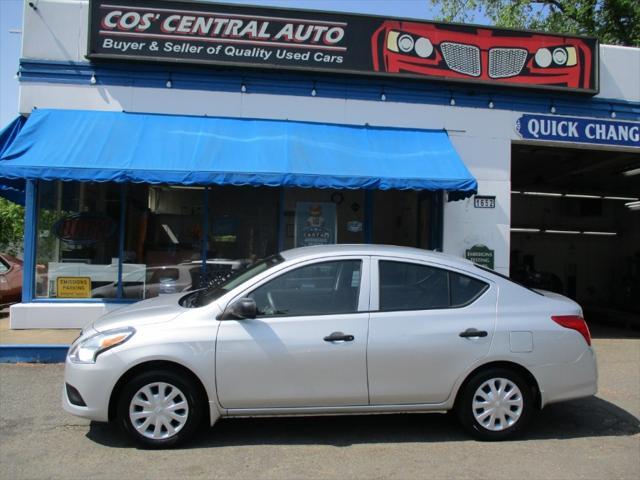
x,y
88,349
556,57
405,43
423,47
560,56
409,44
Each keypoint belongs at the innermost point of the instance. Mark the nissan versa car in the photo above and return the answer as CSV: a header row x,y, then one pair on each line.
x,y
336,329
455,52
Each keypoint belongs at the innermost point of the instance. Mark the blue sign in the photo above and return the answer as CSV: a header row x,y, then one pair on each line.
x,y
581,130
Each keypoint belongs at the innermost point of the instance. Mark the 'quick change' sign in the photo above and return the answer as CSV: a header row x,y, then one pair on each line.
x,y
581,130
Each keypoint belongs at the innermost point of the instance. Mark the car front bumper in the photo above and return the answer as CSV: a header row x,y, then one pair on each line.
x,y
94,383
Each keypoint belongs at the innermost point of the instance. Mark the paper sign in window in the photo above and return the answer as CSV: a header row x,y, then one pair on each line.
x,y
73,287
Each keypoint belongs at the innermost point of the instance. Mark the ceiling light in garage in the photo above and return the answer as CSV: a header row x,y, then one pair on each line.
x,y
543,194
629,173
575,195
566,232
633,205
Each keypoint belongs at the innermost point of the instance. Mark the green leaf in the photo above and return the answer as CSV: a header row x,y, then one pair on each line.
x,y
615,22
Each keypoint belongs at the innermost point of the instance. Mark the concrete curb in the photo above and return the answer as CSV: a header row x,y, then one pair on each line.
x,y
33,353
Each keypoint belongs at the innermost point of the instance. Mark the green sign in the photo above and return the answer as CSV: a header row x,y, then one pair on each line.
x,y
482,255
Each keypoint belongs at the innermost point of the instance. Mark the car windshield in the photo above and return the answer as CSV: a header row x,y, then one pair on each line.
x,y
214,291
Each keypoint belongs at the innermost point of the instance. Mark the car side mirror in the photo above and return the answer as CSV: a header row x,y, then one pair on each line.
x,y
241,309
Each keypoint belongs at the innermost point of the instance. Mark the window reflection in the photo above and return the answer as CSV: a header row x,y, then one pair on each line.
x,y
136,241
77,243
169,231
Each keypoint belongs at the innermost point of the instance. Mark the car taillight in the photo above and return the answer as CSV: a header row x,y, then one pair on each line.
x,y
574,322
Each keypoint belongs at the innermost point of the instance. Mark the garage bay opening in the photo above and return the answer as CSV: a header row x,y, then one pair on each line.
x,y
575,227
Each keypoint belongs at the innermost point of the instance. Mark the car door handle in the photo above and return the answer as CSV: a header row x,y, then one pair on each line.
x,y
472,332
339,337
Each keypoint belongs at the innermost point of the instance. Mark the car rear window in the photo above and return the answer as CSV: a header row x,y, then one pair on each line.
x,y
412,286
507,278
464,290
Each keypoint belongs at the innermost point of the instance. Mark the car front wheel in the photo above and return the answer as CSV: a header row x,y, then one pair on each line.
x,y
160,409
495,404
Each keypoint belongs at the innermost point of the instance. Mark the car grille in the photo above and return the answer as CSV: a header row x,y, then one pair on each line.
x,y
506,62
461,58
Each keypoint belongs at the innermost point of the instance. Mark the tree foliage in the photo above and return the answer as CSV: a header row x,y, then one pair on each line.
x,y
11,227
615,22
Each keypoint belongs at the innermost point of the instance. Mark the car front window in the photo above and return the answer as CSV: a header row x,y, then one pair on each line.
x,y
325,288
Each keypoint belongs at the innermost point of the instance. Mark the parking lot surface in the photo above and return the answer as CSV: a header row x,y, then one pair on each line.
x,y
593,438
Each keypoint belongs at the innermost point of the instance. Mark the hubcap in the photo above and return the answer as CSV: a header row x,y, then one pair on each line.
x,y
158,410
497,404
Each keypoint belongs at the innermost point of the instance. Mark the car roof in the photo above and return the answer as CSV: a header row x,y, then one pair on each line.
x,y
410,253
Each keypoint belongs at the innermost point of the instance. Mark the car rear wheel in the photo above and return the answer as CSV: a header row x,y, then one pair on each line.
x,y
160,409
495,404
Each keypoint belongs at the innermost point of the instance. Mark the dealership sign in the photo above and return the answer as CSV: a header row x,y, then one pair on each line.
x,y
254,36
580,130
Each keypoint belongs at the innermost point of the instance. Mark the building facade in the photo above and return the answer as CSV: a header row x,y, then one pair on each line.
x,y
550,149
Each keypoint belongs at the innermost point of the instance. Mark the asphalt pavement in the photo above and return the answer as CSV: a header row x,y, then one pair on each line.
x,y
592,438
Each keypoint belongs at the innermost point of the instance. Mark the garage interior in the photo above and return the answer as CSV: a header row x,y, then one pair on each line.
x,y
575,227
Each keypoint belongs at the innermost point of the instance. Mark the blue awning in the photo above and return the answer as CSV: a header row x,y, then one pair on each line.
x,y
12,190
133,147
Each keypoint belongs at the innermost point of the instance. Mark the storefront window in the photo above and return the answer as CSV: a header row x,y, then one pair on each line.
x,y
174,242
137,241
163,240
77,240
242,224
402,217
169,241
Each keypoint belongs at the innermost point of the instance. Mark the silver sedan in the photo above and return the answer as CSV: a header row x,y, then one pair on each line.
x,y
340,329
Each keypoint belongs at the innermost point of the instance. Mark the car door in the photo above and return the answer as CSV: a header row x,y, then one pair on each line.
x,y
307,345
416,351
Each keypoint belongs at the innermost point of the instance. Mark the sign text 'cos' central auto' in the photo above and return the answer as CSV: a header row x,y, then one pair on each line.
x,y
253,36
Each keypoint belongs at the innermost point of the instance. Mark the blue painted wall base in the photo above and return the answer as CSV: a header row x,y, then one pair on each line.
x,y
33,353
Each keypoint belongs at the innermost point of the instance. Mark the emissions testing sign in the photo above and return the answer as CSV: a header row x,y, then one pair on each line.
x,y
579,130
481,255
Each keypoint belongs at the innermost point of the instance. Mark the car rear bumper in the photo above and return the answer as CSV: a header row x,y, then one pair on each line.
x,y
566,381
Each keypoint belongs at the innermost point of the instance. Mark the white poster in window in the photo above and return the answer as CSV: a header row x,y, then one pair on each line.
x,y
315,224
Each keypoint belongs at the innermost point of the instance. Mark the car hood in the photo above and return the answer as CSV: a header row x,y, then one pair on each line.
x,y
155,310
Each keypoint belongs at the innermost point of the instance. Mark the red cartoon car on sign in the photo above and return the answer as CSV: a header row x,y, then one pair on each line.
x,y
472,53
